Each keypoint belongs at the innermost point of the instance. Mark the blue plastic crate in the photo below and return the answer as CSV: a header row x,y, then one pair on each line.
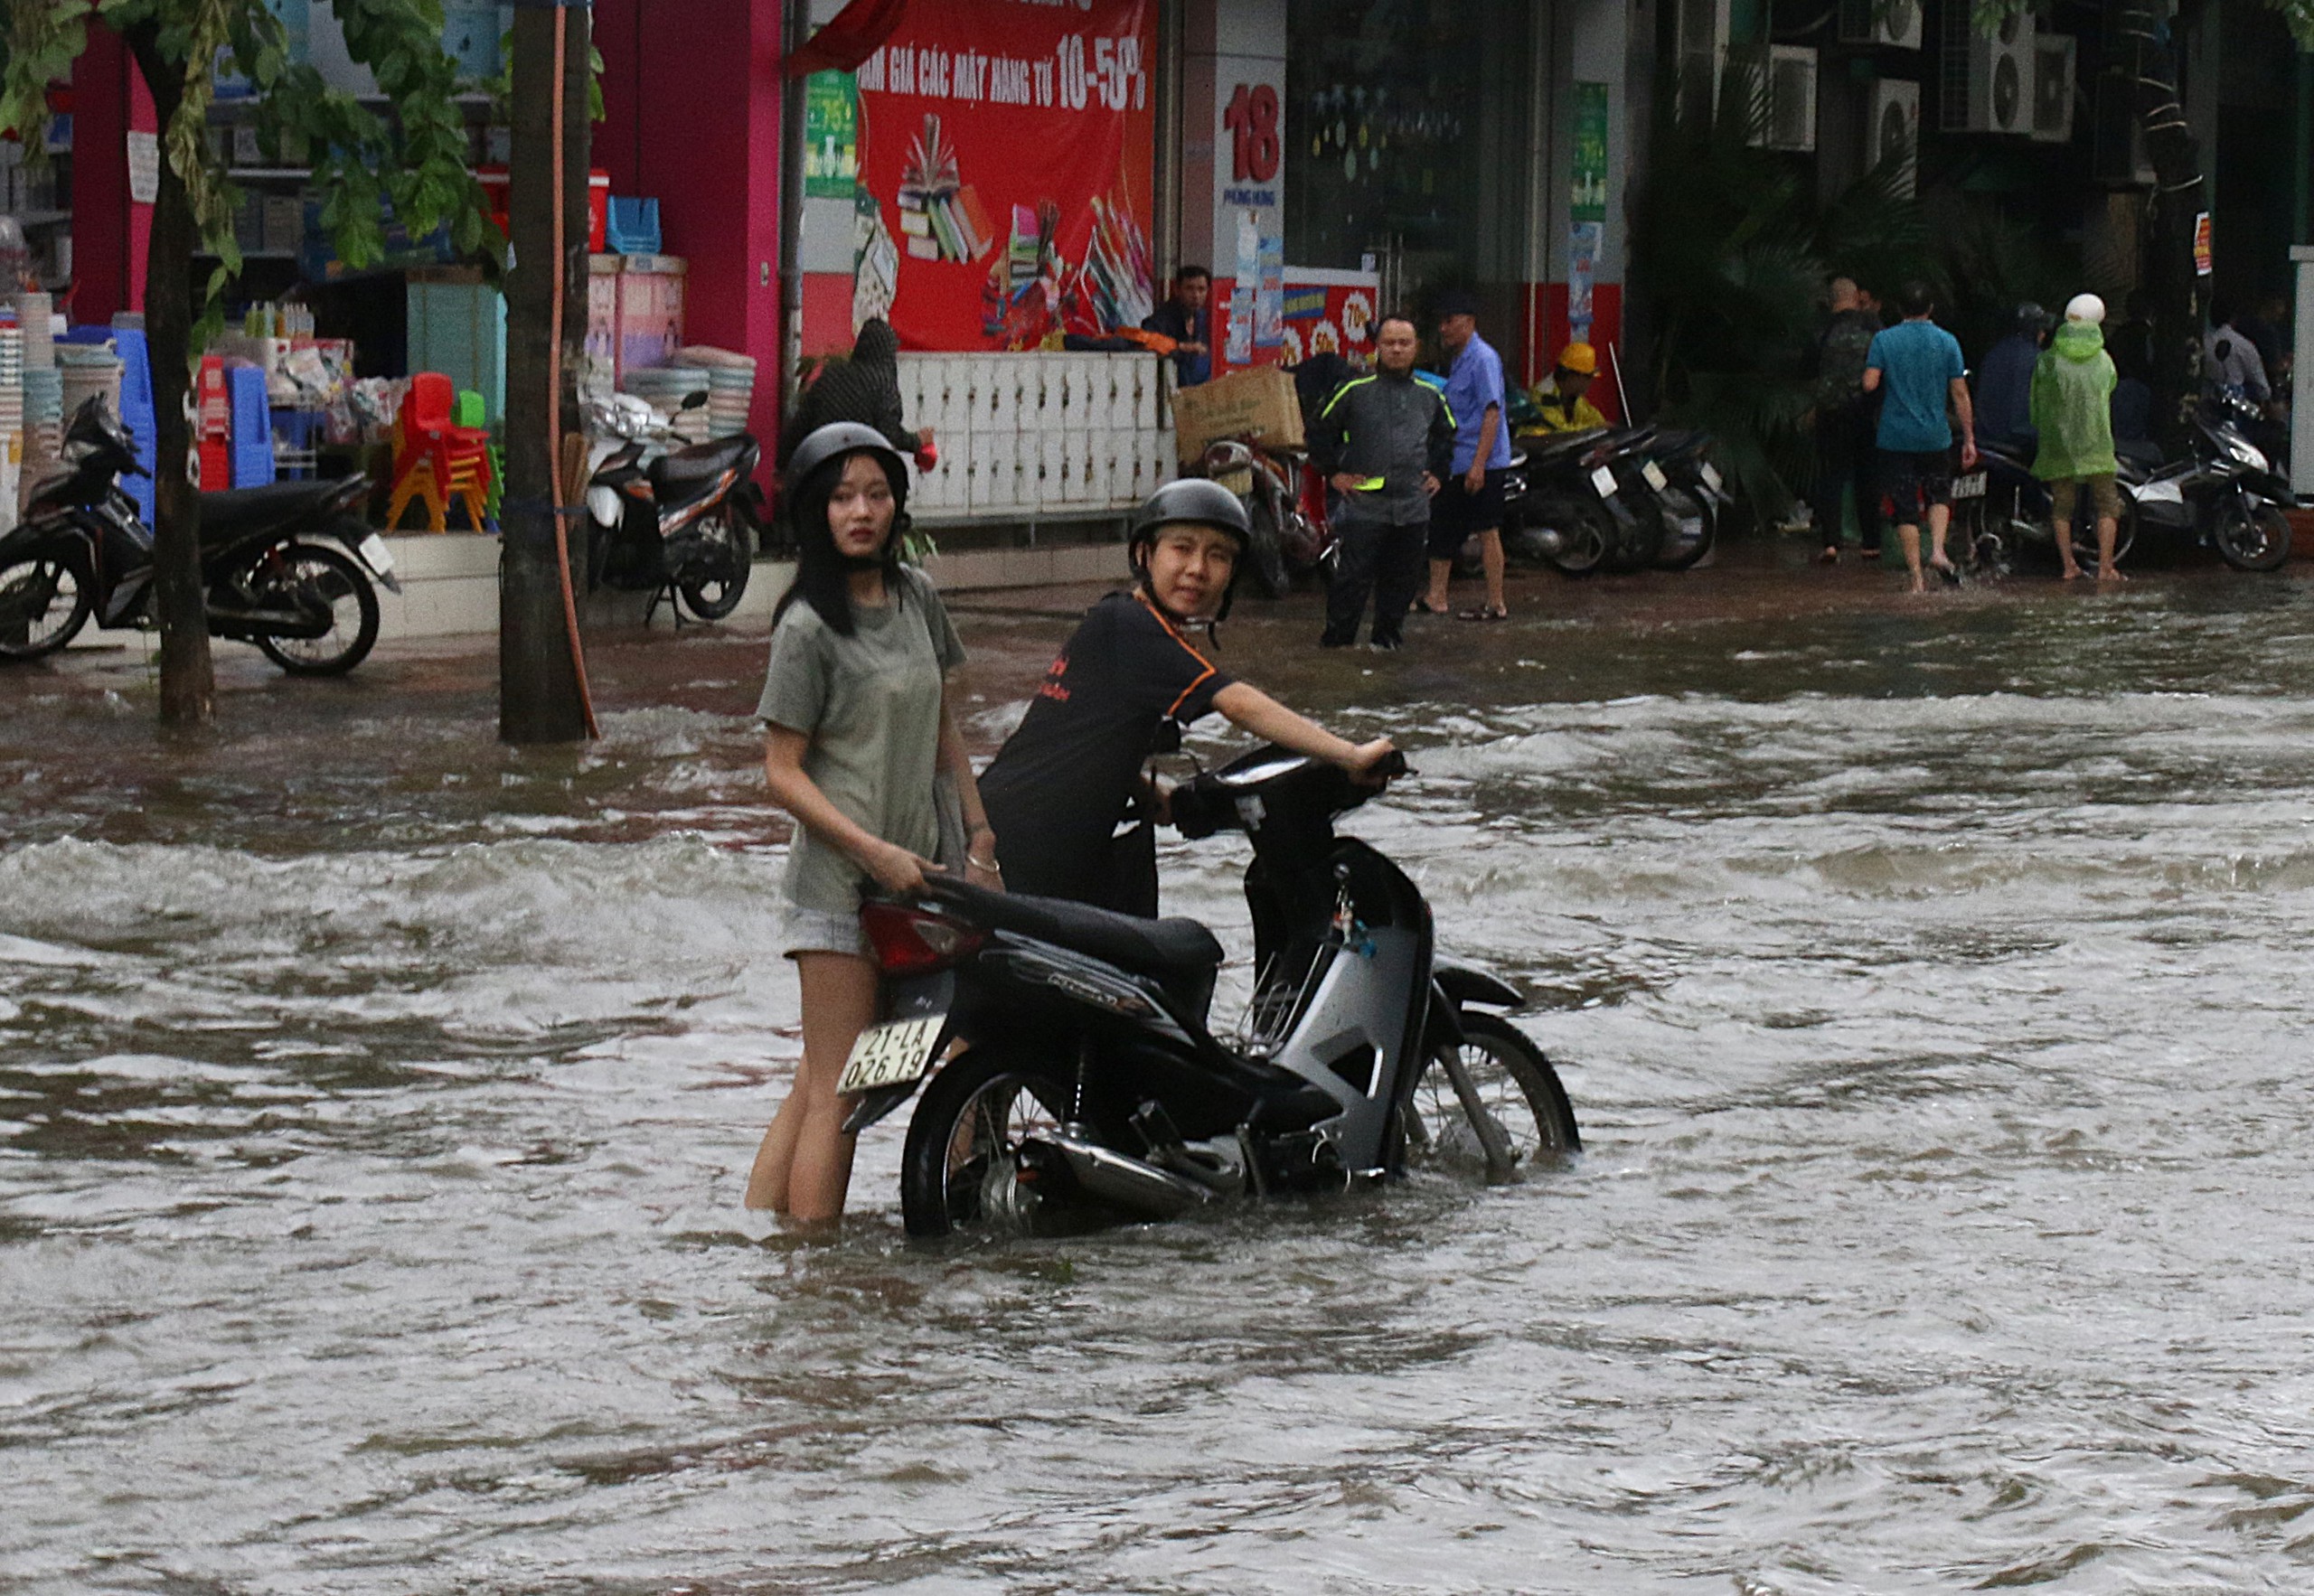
x,y
252,446
632,226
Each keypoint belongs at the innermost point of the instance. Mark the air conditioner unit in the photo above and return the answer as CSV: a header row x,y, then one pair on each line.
x,y
1987,84
2054,55
2117,153
1892,25
1892,128
1785,78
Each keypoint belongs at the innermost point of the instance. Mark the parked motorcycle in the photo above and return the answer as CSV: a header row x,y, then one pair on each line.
x,y
1269,481
287,567
1694,497
665,518
1571,506
1090,1084
2225,495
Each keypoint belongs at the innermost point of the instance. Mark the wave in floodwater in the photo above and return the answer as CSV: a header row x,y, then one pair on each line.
x,y
369,1210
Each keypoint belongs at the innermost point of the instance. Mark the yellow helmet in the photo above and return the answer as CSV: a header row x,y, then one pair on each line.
x,y
1579,358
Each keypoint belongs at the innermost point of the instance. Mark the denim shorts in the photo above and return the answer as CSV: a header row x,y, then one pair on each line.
x,y
822,931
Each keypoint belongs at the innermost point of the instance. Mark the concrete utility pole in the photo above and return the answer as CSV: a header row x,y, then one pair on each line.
x,y
541,691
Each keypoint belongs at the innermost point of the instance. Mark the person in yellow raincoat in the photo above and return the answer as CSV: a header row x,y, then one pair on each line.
x,y
1561,400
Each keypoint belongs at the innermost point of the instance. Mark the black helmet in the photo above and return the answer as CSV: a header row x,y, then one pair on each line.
x,y
824,444
2032,320
1195,500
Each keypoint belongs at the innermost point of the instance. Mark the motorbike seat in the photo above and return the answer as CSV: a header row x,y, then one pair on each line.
x,y
2141,452
685,472
1560,445
239,510
1173,950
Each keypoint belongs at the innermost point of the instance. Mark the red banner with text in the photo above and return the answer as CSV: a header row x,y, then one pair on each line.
x,y
1006,160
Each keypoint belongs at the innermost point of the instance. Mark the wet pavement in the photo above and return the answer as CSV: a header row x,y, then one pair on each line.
x,y
1929,976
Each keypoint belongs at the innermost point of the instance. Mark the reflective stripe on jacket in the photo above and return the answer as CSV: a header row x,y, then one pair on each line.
x,y
1387,431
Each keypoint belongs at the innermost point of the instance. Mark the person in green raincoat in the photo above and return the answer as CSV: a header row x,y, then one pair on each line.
x,y
2073,397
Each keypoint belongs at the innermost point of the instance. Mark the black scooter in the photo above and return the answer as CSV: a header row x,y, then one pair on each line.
x,y
1090,1086
682,520
2226,496
287,567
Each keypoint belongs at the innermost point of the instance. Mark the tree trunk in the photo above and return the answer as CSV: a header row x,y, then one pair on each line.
x,y
2172,286
540,700
188,680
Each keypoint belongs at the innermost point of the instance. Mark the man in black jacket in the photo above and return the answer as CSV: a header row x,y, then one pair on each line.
x,y
1384,442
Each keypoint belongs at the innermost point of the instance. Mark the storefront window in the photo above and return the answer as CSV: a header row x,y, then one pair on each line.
x,y
1406,127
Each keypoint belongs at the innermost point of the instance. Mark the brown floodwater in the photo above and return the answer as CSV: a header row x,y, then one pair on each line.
x,y
1930,977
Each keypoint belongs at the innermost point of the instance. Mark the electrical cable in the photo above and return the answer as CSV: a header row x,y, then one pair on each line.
x,y
561,493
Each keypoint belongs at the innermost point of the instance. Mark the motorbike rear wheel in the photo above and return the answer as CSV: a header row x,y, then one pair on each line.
x,y
1265,555
717,579
2251,535
313,575
1521,1094
961,1170
1584,539
44,602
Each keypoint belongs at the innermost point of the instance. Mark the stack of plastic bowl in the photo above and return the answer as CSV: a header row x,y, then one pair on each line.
x,y
11,414
43,423
731,386
666,388
89,370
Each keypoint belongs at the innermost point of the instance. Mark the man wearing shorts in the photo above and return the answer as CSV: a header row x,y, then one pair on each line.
x,y
2073,398
1917,368
1470,503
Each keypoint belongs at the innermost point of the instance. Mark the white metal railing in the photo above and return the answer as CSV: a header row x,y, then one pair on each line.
x,y
1038,435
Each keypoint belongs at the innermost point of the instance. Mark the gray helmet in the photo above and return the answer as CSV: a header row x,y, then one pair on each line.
x,y
1195,500
824,444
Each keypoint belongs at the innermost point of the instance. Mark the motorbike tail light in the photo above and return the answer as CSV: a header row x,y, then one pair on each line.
x,y
915,942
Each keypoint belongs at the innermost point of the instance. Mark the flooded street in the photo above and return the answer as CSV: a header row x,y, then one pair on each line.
x,y
1931,980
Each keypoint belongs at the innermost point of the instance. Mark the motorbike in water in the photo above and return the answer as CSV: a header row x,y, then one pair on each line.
x,y
288,568
1083,1082
673,520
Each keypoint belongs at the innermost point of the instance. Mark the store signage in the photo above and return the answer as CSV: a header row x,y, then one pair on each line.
x,y
145,168
831,136
1007,150
2204,259
1587,232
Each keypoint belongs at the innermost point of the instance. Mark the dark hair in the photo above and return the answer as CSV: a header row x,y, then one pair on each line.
x,y
1383,321
1915,298
1187,272
823,572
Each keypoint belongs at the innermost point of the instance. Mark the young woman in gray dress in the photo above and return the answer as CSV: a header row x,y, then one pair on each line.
x,y
860,746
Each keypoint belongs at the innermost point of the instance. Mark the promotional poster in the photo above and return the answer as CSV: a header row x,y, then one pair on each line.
x,y
1006,146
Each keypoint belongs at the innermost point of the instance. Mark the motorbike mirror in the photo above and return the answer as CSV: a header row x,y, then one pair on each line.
x,y
1167,738
693,401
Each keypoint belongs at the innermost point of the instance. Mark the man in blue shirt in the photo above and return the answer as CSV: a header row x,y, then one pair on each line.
x,y
1917,370
1187,318
1470,503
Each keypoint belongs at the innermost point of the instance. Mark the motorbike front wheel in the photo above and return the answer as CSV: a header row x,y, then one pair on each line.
x,y
1520,1092
2251,535
308,577
1267,554
43,604
962,1169
718,576
1689,531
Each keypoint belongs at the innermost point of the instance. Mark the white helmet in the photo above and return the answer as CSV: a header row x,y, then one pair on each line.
x,y
2085,307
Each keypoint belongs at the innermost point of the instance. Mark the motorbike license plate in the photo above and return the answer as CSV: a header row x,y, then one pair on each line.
x,y
1710,476
1972,487
374,555
1603,483
1654,475
893,1055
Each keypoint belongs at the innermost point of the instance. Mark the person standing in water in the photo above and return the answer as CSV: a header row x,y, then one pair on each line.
x,y
860,746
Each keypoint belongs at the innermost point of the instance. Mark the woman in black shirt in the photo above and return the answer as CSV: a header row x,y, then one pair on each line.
x,y
1060,789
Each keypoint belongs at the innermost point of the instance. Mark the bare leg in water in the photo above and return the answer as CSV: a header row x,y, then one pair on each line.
x,y
803,1166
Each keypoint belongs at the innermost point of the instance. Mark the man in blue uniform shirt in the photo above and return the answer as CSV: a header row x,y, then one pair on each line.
x,y
1469,502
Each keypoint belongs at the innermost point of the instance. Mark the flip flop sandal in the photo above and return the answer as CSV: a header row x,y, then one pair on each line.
x,y
1485,614
1422,606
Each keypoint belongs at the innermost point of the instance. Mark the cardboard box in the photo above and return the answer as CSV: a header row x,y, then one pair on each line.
x,y
1257,402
